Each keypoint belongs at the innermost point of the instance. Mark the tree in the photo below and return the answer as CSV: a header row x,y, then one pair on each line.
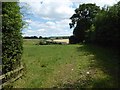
x,y
40,37
83,18
73,40
11,36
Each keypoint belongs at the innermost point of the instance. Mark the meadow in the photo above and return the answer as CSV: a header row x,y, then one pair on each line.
x,y
68,66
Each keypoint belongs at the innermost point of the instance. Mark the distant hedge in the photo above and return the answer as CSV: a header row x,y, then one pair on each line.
x,y
30,37
50,43
11,36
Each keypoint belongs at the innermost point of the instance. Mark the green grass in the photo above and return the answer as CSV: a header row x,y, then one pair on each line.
x,y
76,66
31,41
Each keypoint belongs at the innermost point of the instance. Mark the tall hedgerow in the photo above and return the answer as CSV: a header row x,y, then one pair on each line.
x,y
11,36
108,26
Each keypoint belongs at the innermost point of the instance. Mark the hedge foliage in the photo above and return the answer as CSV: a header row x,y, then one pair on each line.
x,y
44,42
107,26
11,36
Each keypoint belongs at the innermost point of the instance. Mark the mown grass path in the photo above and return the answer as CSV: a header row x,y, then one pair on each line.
x,y
76,66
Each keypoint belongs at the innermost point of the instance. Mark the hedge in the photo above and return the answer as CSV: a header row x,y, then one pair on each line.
x,y
11,36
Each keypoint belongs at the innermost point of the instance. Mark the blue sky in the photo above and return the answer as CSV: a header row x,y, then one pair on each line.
x,y
51,17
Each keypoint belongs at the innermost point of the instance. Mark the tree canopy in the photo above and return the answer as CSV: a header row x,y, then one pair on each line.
x,y
83,18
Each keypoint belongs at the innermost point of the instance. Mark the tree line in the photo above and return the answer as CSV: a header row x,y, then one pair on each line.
x,y
32,37
40,37
96,25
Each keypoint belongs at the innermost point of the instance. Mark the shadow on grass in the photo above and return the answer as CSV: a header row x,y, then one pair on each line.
x,y
107,60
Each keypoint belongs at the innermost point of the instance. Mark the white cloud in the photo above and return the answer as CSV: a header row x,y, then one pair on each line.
x,y
41,30
51,9
28,21
30,31
55,15
98,2
49,28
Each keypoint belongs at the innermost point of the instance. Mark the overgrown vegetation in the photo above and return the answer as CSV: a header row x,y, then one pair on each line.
x,y
11,36
101,26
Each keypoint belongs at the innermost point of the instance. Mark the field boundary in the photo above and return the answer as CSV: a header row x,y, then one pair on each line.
x,y
11,76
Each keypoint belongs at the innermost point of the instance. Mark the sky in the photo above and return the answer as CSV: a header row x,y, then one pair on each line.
x,y
51,17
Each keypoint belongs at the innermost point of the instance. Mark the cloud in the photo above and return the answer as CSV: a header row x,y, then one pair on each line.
x,y
100,3
28,21
51,9
49,28
51,17
30,31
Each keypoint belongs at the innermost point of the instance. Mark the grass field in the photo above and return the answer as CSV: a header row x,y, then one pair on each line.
x,y
76,66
